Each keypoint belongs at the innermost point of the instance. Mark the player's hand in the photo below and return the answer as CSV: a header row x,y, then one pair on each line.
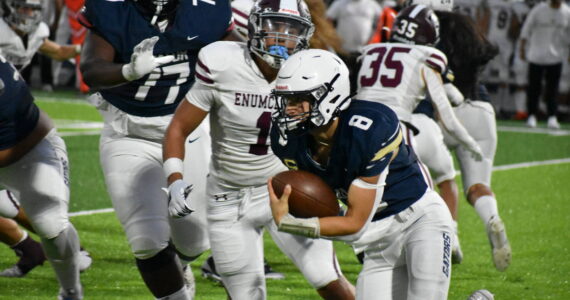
x,y
279,206
476,151
143,61
178,193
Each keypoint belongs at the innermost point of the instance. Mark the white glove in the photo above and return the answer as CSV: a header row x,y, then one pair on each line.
x,y
143,61
178,193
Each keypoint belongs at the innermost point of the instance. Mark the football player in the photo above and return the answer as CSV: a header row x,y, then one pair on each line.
x,y
498,22
389,74
140,56
402,226
233,85
22,34
468,52
34,166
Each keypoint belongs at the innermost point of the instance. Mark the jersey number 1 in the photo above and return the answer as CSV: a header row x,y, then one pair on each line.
x,y
264,124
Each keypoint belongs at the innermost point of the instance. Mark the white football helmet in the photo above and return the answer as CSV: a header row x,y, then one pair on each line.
x,y
279,28
315,75
23,15
436,5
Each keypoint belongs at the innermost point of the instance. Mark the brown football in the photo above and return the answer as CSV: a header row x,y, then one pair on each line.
x,y
310,195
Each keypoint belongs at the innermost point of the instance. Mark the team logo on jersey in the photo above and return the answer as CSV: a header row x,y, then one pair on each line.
x,y
266,101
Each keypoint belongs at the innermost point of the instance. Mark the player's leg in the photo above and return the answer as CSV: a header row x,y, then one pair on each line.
x,y
428,240
45,198
315,258
134,179
196,163
236,240
534,89
10,208
478,119
433,152
552,78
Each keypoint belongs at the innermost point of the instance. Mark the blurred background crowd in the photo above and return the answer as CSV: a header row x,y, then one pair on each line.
x,y
357,23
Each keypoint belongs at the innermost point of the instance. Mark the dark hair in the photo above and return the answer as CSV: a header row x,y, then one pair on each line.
x,y
466,48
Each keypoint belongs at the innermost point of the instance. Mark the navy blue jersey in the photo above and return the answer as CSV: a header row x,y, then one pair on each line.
x,y
18,113
368,133
123,26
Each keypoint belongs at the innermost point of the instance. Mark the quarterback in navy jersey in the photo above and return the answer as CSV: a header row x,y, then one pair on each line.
x,y
402,226
140,56
34,166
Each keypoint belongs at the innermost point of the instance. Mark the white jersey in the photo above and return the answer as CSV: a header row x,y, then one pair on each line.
x,y
501,14
231,87
12,46
391,73
467,7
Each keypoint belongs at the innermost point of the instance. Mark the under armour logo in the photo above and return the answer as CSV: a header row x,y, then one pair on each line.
x,y
221,197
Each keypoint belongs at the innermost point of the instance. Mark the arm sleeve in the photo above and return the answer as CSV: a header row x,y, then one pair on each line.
x,y
442,106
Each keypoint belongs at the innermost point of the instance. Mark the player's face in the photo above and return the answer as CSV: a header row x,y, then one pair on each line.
x,y
298,106
282,32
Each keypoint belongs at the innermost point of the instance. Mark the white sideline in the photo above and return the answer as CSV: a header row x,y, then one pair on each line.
x,y
497,168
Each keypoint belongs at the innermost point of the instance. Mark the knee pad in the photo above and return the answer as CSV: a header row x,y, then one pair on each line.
x,y
9,205
146,247
49,226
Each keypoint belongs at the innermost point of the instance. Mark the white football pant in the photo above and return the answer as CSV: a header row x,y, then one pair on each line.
x,y
236,223
131,159
411,257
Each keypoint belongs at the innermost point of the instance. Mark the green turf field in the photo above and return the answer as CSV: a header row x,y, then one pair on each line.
x,y
533,201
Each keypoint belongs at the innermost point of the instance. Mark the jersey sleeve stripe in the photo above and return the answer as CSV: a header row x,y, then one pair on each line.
x,y
437,65
204,78
240,24
201,65
239,13
390,147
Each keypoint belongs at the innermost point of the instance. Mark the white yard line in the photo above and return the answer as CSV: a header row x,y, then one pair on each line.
x,y
559,132
497,168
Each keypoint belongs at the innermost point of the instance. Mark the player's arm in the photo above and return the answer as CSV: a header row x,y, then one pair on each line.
x,y
445,113
186,119
100,71
97,66
59,52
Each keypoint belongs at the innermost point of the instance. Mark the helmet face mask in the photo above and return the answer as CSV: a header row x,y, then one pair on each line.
x,y
23,15
278,29
311,90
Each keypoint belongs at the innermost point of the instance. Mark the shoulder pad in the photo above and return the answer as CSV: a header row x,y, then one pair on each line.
x,y
215,59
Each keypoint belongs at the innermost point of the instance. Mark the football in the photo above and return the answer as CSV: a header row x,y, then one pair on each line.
x,y
310,195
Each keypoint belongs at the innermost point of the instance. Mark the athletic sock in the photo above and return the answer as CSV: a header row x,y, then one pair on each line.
x,y
486,207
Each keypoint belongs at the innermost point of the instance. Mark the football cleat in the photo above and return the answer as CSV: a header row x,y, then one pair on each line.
x,y
70,294
13,271
456,253
499,243
531,121
189,280
209,270
552,123
84,260
31,255
481,295
270,274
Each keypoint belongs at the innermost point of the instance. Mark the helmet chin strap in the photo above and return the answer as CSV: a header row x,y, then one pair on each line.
x,y
156,13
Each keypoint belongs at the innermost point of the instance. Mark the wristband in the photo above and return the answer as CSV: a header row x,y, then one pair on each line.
x,y
128,73
305,227
78,49
173,165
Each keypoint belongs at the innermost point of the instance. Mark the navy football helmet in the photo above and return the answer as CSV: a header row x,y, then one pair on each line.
x,y
279,28
416,25
23,15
